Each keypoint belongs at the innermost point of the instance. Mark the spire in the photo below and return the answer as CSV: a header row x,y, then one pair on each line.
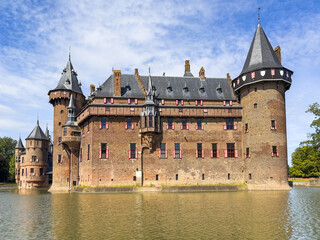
x,y
71,113
261,54
149,83
37,133
258,15
19,144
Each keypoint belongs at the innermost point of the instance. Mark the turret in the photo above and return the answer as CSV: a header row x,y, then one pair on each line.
x,y
18,150
261,88
60,99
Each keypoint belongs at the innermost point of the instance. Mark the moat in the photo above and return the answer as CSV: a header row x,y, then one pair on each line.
x,y
37,214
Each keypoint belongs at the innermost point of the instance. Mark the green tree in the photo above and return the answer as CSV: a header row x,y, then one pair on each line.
x,y
315,137
12,168
7,146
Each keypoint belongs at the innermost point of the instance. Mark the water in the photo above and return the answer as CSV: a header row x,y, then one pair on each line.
x,y
291,214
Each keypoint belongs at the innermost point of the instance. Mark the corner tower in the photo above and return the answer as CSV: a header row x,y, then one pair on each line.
x,y
261,88
60,98
19,148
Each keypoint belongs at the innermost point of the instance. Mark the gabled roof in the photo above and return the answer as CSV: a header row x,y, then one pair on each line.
x,y
131,89
69,80
19,144
261,53
37,133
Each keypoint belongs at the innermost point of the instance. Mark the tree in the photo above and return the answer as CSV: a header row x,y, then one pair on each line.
x,y
7,146
12,168
306,158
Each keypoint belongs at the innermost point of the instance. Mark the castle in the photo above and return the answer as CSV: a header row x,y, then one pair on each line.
x,y
161,130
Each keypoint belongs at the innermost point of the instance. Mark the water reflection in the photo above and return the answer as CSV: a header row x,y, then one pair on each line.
x,y
220,215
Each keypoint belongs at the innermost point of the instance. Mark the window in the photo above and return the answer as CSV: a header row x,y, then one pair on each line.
x,y
248,155
59,159
59,139
199,102
229,176
157,177
273,125
103,151
199,151
80,154
203,176
177,176
22,172
108,100
246,128
179,102
230,150
199,125
255,105
88,154
163,153
64,131
22,159
133,152
131,101
229,123
170,124
61,111
134,178
214,150
184,125
250,176
274,151
41,171
103,123
177,151
150,120
255,89
31,171
34,158
129,124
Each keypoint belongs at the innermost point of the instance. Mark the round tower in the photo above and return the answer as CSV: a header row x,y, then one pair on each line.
x,y
19,148
60,98
35,164
261,88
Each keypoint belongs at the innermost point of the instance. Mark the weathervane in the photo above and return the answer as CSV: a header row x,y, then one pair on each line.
x,y
258,15
69,53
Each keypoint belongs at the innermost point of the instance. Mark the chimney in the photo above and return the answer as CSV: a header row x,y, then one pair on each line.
x,y
187,66
92,89
277,50
202,74
117,82
229,79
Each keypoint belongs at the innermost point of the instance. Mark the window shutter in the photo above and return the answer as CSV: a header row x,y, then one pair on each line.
x,y
230,103
129,154
249,155
180,153
174,155
162,101
135,101
100,154
218,155
275,127
224,103
277,154
272,154
107,154
196,153
196,102
187,126
202,153
167,126
107,126
126,126
111,100
224,127
100,126
177,102
132,126
202,126
166,153
136,153
235,127
172,126
182,102
211,153
181,126
225,153
159,153
236,154
129,101
105,100
197,127
201,102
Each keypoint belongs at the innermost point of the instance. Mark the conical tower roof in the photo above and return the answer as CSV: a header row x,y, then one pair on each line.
x,y
261,54
37,133
19,144
69,80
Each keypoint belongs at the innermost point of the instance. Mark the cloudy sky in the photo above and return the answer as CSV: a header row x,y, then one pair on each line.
x,y
35,37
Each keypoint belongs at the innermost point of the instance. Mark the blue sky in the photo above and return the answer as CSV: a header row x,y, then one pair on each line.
x,y
35,37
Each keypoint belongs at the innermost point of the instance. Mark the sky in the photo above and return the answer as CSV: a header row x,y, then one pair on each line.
x,y
35,37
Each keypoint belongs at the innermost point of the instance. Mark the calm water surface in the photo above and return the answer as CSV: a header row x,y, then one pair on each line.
x,y
291,214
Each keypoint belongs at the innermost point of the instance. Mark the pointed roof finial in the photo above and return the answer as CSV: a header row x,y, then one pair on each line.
x,y
149,70
259,15
69,53
37,119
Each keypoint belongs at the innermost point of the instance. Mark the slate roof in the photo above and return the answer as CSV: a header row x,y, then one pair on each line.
x,y
182,88
69,80
261,53
19,144
37,133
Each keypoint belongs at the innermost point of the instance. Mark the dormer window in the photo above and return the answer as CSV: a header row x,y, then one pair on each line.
x,y
169,89
201,90
128,88
68,81
185,89
219,89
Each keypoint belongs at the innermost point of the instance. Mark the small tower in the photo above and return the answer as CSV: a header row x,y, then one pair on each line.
x,y
149,117
261,88
71,138
17,152
60,98
33,169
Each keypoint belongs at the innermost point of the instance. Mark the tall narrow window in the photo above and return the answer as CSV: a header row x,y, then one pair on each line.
x,y
88,156
246,128
248,153
273,124
230,150
103,150
255,105
59,159
184,124
274,151
103,122
163,151
31,171
41,171
177,176
22,172
199,151
229,176
129,124
33,158
133,150
229,123
64,131
177,150
170,123
150,120
214,150
199,124
250,176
